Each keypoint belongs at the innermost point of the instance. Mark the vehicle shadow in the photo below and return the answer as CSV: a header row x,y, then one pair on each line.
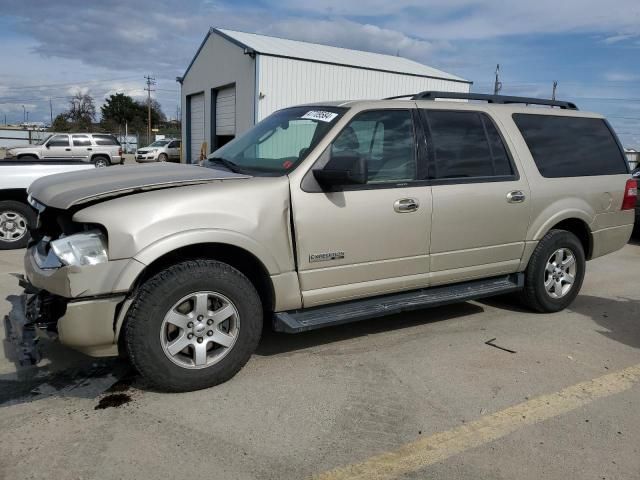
x,y
618,316
274,343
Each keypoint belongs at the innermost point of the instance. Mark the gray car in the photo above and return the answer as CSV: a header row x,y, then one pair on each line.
x,y
98,148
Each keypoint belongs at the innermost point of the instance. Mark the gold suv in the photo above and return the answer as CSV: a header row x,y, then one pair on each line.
x,y
321,215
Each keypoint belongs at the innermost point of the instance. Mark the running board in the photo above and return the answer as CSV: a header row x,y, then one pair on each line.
x,y
297,321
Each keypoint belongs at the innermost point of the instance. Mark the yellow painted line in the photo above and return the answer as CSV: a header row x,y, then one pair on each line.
x,y
426,451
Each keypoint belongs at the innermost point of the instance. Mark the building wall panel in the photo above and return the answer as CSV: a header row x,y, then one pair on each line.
x,y
220,64
284,82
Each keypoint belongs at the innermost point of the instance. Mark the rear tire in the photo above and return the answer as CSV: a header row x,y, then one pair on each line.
x,y
195,304
15,220
555,272
101,162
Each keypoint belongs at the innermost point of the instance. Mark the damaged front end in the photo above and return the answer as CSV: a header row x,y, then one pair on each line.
x,y
33,315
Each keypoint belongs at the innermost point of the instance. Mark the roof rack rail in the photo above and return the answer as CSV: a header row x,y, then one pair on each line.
x,y
502,99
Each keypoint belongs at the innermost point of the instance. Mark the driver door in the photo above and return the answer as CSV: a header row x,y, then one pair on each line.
x,y
57,148
370,239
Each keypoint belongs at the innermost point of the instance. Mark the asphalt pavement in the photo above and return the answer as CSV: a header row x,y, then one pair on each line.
x,y
418,395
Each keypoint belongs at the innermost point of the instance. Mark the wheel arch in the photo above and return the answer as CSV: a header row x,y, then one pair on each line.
x,y
16,194
239,258
581,230
28,154
100,155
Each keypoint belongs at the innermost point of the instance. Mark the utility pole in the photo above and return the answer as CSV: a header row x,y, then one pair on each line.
x,y
24,114
50,111
150,81
497,85
555,87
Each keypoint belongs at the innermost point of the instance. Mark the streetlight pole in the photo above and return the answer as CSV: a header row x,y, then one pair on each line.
x,y
24,114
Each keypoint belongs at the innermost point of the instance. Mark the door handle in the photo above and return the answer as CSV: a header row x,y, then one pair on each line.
x,y
406,205
89,148
68,149
516,197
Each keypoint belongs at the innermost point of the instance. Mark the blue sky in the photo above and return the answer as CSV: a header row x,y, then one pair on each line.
x,y
52,49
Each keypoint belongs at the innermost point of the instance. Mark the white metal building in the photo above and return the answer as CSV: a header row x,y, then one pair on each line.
x,y
236,79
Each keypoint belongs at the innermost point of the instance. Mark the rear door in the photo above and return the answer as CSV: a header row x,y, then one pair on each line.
x,y
82,148
57,148
365,240
481,203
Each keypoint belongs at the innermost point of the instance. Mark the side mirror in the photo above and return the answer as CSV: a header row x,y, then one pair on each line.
x,y
47,146
343,168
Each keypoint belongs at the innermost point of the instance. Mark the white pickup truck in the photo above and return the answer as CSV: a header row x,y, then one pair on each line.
x,y
16,216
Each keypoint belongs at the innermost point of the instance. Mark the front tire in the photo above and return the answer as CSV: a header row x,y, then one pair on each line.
x,y
163,157
555,272
193,325
15,220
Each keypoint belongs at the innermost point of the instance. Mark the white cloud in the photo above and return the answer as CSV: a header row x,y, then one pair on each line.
x,y
621,77
456,19
348,34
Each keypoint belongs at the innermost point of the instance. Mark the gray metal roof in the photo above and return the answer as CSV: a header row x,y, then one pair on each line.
x,y
314,52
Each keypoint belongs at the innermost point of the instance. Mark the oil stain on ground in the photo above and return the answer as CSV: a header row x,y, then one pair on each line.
x,y
116,395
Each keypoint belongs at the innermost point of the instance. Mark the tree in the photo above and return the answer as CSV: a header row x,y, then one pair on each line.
x,y
157,115
82,111
60,123
117,110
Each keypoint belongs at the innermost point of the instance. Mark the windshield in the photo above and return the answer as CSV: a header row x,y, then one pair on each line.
x,y
40,142
159,143
277,144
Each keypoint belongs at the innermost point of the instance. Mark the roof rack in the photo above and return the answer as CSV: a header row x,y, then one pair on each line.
x,y
502,99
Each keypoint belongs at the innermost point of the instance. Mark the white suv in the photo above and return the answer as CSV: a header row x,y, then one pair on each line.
x,y
165,150
100,149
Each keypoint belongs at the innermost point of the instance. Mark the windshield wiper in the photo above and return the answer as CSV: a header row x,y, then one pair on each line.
x,y
228,164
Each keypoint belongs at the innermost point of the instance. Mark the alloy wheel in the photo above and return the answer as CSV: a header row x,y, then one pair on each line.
x,y
200,329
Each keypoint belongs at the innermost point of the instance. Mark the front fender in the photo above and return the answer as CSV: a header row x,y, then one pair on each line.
x,y
208,235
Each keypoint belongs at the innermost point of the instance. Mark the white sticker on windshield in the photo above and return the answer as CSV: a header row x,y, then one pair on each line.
x,y
320,115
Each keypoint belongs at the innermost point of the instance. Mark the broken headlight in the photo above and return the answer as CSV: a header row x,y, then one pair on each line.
x,y
86,248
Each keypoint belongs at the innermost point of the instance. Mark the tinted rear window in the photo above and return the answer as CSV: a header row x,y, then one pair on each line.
x,y
105,140
571,146
466,145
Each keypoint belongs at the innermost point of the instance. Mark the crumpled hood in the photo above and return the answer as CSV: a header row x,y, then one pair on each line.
x,y
65,190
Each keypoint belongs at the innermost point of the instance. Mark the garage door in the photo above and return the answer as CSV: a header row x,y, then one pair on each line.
x,y
196,125
226,111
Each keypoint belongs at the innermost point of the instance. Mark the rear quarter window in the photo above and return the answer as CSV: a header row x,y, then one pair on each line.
x,y
105,140
571,146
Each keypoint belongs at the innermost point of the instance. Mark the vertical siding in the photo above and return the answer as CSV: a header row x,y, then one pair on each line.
x,y
285,82
220,64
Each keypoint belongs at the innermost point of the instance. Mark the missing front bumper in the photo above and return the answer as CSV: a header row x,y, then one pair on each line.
x,y
34,314
86,324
